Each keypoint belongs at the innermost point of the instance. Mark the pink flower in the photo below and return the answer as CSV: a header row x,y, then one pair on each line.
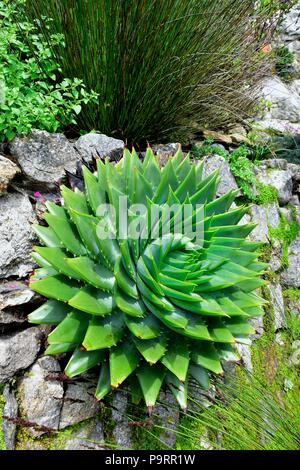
x,y
37,194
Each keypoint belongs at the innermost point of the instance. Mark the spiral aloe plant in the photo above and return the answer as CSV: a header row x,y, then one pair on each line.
x,y
149,310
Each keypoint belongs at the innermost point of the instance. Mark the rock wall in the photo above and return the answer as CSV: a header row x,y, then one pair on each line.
x,y
55,412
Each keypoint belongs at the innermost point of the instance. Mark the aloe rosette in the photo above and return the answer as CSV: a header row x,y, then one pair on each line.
x,y
149,310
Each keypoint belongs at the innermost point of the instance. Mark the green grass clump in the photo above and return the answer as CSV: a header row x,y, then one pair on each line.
x,y
285,234
161,68
267,194
284,62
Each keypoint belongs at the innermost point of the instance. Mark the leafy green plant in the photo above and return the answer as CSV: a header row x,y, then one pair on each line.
x,y
162,69
30,94
158,308
284,61
285,233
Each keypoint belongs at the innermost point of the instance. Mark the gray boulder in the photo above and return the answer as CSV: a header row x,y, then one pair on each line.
x,y
44,157
41,396
79,404
13,293
280,179
99,145
89,437
291,275
8,170
264,216
227,182
10,413
285,100
16,235
167,414
276,298
122,430
18,351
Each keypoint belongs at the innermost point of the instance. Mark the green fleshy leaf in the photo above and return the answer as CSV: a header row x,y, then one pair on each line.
x,y
71,330
103,386
104,332
93,301
150,379
152,349
51,312
123,360
177,358
56,287
81,361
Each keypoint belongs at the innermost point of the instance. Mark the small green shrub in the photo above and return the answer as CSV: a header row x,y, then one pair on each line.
x,y
285,233
30,94
162,68
284,62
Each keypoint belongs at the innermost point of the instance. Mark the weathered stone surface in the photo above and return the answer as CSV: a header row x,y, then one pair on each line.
x,y
264,216
41,396
290,31
18,351
167,414
218,136
79,404
279,179
99,145
285,100
277,303
14,293
291,275
122,430
44,157
258,325
8,170
89,437
245,352
228,182
16,236
165,151
280,126
10,413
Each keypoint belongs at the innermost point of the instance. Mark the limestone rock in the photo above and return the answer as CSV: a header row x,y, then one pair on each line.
x,y
99,145
10,413
8,170
79,404
291,275
122,430
279,179
41,396
89,437
167,414
14,293
276,296
44,157
18,351
264,216
227,182
16,236
285,100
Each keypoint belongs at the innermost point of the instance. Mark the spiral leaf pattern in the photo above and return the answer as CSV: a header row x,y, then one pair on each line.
x,y
149,310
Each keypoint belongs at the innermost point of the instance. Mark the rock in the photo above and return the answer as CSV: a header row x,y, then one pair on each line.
x,y
41,396
258,325
280,126
295,171
10,413
88,437
8,170
279,179
290,31
218,137
18,351
99,145
287,213
240,139
275,163
264,216
165,151
245,352
16,236
14,293
44,157
79,404
227,182
285,100
291,275
167,414
276,298
122,430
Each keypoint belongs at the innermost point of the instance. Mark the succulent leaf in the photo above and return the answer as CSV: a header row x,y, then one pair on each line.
x,y
158,309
